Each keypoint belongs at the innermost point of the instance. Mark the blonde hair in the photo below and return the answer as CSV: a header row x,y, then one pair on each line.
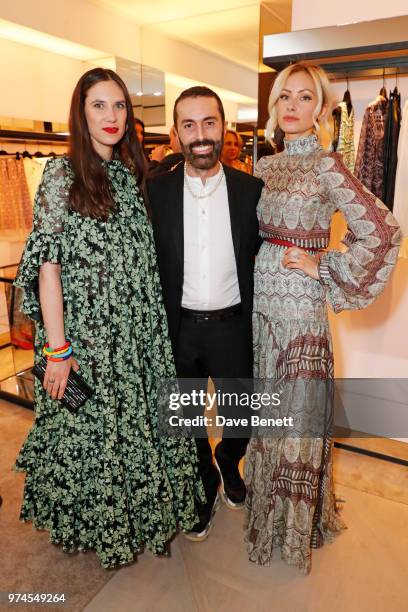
x,y
325,97
237,136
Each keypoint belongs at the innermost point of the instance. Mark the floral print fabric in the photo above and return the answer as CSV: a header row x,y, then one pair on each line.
x,y
104,479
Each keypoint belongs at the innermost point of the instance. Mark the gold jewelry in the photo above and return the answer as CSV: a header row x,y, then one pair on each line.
x,y
201,196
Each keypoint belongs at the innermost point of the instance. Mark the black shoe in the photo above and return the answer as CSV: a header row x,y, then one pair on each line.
x,y
232,488
201,530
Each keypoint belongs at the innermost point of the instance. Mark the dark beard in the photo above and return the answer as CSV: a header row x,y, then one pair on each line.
x,y
202,162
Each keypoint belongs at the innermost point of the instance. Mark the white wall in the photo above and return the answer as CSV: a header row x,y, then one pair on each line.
x,y
81,21
177,57
36,84
319,13
94,25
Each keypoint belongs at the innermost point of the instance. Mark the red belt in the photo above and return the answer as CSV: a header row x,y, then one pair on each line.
x,y
287,243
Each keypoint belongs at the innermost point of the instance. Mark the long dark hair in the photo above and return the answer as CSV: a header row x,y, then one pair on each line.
x,y
90,195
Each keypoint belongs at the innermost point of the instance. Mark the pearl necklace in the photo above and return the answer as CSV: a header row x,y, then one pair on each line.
x,y
201,196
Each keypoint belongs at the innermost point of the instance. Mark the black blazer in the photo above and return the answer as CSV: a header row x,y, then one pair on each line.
x,y
166,202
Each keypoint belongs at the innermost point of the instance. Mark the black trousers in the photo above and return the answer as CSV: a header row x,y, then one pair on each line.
x,y
216,349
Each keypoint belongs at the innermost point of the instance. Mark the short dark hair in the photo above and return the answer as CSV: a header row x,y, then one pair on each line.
x,y
198,91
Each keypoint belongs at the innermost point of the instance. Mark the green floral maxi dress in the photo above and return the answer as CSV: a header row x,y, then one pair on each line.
x,y
103,479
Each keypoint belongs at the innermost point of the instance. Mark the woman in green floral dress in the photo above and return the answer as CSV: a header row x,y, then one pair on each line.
x,y
103,478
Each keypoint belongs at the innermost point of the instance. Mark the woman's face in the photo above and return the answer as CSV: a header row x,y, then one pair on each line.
x,y
106,114
296,105
230,149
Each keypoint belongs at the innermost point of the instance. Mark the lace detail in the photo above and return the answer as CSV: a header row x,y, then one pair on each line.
x,y
300,146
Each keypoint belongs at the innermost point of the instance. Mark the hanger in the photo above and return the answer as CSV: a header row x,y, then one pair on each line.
x,y
347,98
396,92
383,91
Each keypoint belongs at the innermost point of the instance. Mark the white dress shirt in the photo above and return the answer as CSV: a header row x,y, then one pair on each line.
x,y
210,271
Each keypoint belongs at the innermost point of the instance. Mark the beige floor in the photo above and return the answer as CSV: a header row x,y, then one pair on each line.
x,y
365,569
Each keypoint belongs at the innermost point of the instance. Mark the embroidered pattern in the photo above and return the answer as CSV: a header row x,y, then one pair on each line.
x,y
290,501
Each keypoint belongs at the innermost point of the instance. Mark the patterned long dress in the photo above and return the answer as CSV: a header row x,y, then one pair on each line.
x,y
290,500
103,479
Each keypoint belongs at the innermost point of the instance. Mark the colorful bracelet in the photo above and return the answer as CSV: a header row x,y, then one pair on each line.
x,y
62,356
59,354
58,351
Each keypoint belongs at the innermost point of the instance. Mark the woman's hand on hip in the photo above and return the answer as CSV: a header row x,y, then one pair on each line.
x,y
56,376
298,259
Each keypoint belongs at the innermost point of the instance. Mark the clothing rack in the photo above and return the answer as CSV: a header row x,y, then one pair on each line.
x,y
17,145
364,50
38,137
23,154
365,75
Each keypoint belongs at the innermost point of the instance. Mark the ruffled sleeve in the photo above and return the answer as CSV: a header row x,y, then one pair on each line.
x,y
45,242
354,278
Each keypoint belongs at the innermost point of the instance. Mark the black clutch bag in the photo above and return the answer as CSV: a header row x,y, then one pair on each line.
x,y
76,392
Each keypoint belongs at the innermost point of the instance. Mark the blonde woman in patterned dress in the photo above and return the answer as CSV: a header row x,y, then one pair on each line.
x,y
290,500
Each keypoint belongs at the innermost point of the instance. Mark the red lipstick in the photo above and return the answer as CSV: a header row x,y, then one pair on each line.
x,y
111,130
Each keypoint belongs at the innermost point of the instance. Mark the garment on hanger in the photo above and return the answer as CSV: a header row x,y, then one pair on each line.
x,y
34,168
391,135
369,167
336,116
343,141
401,181
15,205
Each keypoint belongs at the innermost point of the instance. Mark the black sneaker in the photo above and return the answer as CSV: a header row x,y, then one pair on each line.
x,y
201,530
232,488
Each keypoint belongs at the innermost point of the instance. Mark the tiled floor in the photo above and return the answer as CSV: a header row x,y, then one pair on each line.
x,y
364,570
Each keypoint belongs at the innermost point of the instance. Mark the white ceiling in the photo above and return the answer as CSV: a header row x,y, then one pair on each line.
x,y
229,28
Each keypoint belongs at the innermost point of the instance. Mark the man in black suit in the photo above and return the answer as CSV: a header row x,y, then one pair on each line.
x,y
206,232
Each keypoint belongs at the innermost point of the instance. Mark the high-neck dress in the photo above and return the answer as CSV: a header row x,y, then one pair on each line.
x,y
290,500
104,478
